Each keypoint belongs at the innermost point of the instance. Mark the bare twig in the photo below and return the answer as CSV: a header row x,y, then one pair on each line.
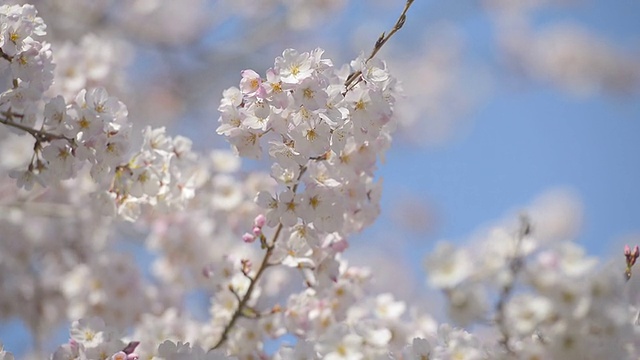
x,y
515,265
355,78
5,56
39,135
242,304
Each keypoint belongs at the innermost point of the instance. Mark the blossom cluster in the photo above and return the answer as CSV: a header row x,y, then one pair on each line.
x,y
324,128
553,301
26,57
566,307
337,322
161,174
90,338
95,61
263,255
92,128
323,137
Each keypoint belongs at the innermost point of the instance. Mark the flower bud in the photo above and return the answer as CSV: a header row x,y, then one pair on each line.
x,y
248,238
260,221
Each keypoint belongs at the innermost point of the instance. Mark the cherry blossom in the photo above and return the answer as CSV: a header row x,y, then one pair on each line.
x,y
252,261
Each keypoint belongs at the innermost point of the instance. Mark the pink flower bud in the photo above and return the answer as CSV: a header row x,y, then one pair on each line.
x,y
634,255
248,238
256,231
260,221
631,256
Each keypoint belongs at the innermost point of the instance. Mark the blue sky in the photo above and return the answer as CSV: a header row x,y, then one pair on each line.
x,y
521,145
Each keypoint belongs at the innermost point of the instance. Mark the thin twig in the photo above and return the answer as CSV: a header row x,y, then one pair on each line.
x,y
515,265
5,56
384,37
253,281
39,135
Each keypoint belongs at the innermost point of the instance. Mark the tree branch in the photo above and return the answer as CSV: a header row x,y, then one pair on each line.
x,y
263,266
515,265
39,135
384,37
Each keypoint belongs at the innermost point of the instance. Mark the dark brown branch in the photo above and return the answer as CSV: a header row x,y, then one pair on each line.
x,y
5,56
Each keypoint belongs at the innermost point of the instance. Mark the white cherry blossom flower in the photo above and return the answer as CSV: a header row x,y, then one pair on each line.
x,y
294,67
447,267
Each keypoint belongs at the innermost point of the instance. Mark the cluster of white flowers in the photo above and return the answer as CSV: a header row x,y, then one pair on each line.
x,y
161,174
91,128
92,339
337,322
324,138
564,308
324,129
95,61
26,57
107,287
553,301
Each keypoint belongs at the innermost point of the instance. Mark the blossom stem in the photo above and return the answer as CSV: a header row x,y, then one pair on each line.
x,y
515,265
5,56
355,78
39,135
253,281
